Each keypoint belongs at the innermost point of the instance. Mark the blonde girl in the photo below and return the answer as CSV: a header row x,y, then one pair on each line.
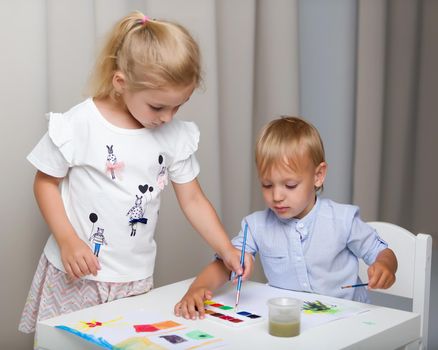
x,y
102,166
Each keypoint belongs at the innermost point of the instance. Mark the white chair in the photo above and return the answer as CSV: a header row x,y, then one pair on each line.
x,y
414,253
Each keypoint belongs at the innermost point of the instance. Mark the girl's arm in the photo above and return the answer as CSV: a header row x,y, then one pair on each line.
x,y
204,219
77,257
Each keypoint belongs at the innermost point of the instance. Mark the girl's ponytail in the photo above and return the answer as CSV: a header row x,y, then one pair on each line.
x,y
149,53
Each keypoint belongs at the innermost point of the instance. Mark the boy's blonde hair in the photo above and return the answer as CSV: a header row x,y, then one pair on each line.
x,y
149,53
287,141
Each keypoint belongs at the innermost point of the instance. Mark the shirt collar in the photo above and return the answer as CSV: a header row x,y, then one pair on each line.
x,y
303,225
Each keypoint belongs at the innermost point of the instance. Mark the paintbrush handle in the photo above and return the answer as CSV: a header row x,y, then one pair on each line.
x,y
355,285
242,262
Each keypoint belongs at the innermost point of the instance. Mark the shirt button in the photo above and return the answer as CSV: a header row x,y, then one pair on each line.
x,y
298,258
305,284
300,225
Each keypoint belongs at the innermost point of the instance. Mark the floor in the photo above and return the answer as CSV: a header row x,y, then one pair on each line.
x,y
405,304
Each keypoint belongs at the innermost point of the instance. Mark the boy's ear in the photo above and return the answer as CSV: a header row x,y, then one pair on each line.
x,y
320,173
119,82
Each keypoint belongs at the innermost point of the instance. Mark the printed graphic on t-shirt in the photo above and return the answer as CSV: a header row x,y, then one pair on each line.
x,y
137,213
97,238
162,178
113,166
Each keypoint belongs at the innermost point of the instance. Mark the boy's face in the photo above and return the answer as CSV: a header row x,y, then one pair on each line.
x,y
291,194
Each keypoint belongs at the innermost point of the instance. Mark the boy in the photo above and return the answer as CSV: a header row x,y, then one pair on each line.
x,y
306,243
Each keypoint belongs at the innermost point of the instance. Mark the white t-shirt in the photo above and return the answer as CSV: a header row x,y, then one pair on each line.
x,y
112,181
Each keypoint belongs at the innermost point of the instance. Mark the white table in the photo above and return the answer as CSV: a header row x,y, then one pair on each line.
x,y
378,328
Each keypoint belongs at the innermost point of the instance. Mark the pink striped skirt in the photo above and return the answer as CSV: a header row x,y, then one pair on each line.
x,y
52,294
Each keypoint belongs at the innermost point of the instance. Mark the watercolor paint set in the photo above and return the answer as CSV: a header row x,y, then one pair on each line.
x,y
226,315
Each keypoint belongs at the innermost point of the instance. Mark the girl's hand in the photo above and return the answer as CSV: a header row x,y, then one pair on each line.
x,y
78,259
380,276
192,303
230,262
76,256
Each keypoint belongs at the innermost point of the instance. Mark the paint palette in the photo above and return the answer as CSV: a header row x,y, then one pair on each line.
x,y
225,314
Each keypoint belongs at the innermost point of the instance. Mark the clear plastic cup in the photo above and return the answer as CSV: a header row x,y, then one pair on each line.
x,y
284,316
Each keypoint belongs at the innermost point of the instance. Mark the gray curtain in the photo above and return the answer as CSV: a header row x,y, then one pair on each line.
x,y
396,114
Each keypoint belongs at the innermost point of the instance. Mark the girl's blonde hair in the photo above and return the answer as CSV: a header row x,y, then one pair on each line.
x,y
287,141
151,54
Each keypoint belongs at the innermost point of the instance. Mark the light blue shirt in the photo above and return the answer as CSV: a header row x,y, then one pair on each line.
x,y
318,253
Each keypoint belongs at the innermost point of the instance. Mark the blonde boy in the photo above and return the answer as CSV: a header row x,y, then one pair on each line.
x,y
306,242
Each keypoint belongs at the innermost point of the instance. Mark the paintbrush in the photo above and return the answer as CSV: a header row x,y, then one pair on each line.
x,y
355,285
242,261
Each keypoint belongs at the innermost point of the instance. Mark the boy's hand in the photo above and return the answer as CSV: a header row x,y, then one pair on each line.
x,y
192,303
78,259
380,276
232,261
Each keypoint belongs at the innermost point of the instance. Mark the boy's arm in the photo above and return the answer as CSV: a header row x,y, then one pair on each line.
x,y
204,219
381,274
77,257
212,277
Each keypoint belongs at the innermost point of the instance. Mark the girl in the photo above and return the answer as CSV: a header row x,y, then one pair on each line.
x,y
306,243
101,168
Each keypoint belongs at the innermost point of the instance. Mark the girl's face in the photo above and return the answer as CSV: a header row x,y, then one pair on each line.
x,y
153,107
150,108
291,194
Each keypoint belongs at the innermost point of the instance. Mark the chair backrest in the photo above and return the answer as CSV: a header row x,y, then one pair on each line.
x,y
414,253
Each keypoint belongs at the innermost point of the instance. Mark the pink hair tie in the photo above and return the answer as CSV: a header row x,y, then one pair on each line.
x,y
145,19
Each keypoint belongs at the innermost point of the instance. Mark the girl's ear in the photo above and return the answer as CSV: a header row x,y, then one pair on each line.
x,y
320,173
119,82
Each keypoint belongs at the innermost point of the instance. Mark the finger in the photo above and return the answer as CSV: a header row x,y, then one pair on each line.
x,y
76,269
83,266
71,276
233,277
93,259
185,310
248,267
374,280
177,309
237,269
385,280
200,307
380,283
387,283
390,282
371,273
236,280
96,262
91,264
235,263
245,273
191,310
208,295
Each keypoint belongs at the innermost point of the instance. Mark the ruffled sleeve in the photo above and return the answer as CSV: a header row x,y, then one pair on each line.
x,y
61,133
185,166
53,155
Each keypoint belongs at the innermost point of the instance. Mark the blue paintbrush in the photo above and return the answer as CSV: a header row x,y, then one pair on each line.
x,y
355,285
242,260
